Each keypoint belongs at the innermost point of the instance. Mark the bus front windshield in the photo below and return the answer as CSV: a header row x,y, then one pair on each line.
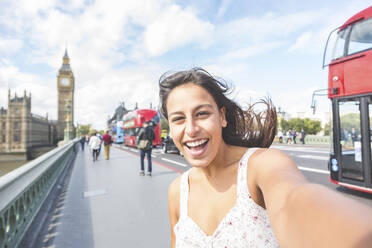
x,y
361,37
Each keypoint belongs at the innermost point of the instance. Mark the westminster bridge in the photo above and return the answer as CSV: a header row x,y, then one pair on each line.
x,y
64,199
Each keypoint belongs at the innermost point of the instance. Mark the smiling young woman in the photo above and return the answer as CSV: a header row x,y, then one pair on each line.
x,y
240,193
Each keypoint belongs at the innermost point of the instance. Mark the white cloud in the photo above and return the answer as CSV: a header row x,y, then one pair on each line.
x,y
10,45
245,52
175,28
301,42
100,98
223,8
269,27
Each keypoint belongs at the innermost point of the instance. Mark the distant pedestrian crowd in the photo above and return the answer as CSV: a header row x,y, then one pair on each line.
x,y
95,142
290,136
144,140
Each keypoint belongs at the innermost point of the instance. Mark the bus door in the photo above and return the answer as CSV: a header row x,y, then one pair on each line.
x,y
349,139
354,139
369,135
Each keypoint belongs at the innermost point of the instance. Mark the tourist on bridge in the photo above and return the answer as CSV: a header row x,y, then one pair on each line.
x,y
280,135
294,133
107,141
303,134
82,142
239,192
146,135
94,144
100,138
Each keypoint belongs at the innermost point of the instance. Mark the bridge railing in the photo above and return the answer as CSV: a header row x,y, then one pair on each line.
x,y
23,191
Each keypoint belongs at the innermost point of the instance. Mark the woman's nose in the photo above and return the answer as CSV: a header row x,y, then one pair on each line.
x,y
192,128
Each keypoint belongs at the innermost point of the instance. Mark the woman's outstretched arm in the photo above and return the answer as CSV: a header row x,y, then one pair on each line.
x,y
304,214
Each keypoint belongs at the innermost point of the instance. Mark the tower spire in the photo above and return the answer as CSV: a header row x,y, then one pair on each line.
x,y
66,54
66,63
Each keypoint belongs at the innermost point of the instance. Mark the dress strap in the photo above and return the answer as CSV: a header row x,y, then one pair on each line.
x,y
184,193
242,171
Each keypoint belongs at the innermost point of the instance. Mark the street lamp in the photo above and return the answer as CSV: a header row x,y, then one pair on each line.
x,y
68,131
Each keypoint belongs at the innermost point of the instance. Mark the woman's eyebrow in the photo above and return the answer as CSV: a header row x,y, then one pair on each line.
x,y
206,105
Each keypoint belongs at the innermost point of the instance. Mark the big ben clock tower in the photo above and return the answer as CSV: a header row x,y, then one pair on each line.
x,y
66,86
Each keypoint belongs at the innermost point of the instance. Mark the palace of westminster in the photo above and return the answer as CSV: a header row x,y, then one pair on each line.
x,y
21,131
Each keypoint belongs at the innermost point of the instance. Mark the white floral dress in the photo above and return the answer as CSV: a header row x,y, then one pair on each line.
x,y
246,224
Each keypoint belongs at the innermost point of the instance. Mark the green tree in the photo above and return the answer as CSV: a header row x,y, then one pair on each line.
x,y
84,129
326,129
296,123
284,124
351,120
310,126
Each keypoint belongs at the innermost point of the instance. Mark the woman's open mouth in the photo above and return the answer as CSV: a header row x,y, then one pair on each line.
x,y
196,148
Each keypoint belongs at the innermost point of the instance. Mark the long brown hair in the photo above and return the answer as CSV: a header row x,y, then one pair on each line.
x,y
244,127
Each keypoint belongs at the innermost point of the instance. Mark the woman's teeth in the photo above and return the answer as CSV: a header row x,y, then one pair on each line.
x,y
196,143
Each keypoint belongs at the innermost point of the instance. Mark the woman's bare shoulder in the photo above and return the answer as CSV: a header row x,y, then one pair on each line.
x,y
270,165
270,158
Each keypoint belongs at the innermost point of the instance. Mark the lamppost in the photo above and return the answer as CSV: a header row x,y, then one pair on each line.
x,y
68,131
281,115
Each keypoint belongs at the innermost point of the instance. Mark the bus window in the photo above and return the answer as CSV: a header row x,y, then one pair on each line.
x,y
339,47
350,139
335,47
361,36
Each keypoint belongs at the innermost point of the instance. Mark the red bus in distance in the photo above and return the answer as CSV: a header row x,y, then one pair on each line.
x,y
133,123
349,52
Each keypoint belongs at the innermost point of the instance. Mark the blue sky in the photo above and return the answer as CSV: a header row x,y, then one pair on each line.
x,y
119,49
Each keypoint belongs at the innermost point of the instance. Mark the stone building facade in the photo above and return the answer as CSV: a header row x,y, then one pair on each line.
x,y
20,130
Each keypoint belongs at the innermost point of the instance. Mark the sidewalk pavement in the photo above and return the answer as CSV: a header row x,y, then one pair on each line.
x,y
108,204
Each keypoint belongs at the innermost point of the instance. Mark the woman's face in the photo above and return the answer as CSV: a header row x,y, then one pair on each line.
x,y
195,123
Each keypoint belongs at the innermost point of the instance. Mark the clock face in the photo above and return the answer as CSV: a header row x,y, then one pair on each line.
x,y
65,82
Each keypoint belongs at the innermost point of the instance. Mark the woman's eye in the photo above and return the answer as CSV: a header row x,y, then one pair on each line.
x,y
202,113
175,119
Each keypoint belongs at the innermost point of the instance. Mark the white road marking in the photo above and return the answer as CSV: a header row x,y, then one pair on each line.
x,y
133,150
313,170
313,157
94,193
299,149
152,155
174,162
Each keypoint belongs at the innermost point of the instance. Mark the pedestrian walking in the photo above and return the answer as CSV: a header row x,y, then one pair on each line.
x,y
100,138
294,132
289,137
94,144
146,135
280,135
107,141
82,142
239,192
303,134
354,135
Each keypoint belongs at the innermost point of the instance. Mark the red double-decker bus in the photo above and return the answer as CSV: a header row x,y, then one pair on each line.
x,y
133,122
349,49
